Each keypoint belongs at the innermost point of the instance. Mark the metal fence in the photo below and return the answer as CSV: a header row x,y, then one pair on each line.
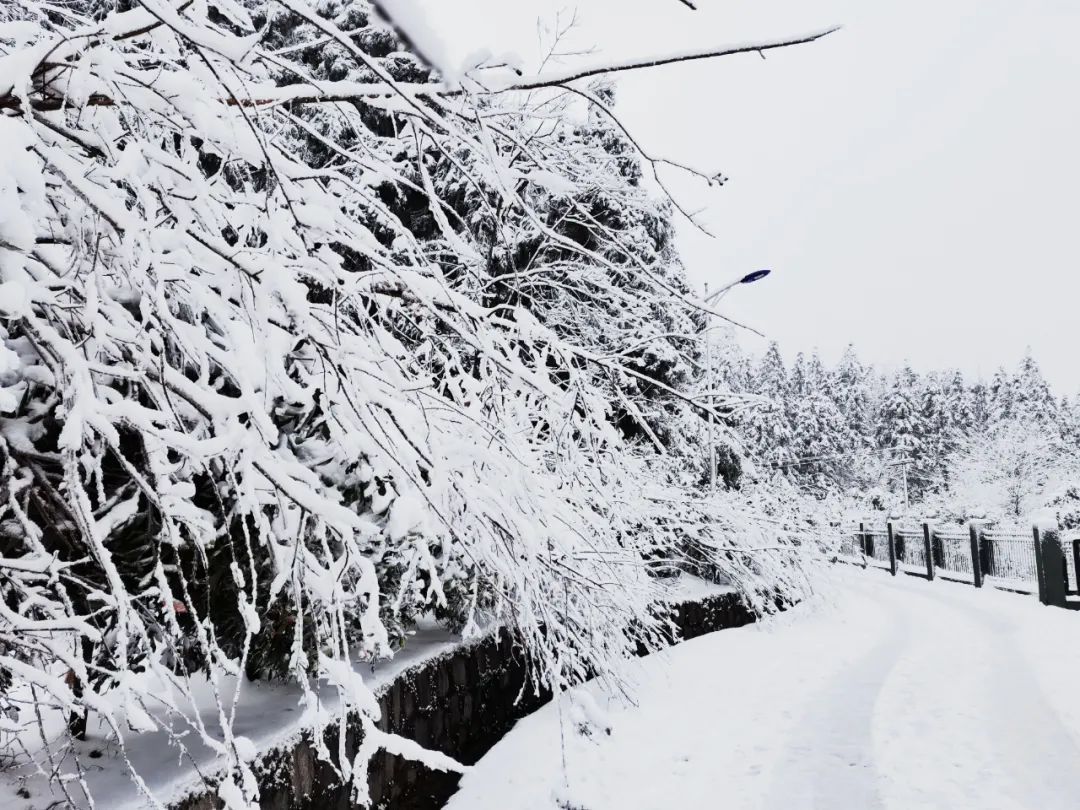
x,y
877,547
952,552
1007,556
1041,562
1072,560
910,548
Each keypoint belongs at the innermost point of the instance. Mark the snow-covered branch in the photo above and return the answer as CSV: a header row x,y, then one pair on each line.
x,y
577,74
279,378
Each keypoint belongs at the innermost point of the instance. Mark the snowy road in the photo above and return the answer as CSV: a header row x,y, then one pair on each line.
x,y
897,694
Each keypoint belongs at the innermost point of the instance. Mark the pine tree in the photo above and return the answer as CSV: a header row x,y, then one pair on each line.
x,y
900,426
731,364
853,398
820,436
980,406
797,384
1031,397
961,419
767,427
936,424
960,406
999,406
1069,419
771,377
817,377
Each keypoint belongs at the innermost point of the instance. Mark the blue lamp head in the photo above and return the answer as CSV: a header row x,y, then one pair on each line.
x,y
757,275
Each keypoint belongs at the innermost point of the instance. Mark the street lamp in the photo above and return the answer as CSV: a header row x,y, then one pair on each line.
x,y
749,278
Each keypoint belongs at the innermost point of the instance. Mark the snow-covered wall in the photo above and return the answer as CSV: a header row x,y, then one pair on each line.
x,y
460,703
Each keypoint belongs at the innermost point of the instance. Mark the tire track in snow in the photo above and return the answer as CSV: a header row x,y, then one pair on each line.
x,y
1018,752
899,694
829,763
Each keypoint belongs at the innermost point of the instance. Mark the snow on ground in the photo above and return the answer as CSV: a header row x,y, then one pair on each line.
x,y
893,693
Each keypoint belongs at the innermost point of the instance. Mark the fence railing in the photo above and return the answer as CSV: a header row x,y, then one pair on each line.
x,y
952,553
877,547
910,548
1042,562
1072,560
1010,557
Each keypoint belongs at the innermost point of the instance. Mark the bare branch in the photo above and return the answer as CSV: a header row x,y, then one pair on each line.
x,y
641,64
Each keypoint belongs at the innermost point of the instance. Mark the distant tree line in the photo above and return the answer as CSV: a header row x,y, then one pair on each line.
x,y
851,429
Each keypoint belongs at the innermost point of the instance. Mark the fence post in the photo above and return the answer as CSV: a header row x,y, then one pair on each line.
x,y
1076,561
986,555
1052,583
928,550
976,562
862,543
892,549
1040,576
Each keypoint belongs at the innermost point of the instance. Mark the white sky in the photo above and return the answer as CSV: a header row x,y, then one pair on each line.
x,y
912,180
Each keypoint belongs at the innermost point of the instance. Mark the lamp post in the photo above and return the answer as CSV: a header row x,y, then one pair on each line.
x,y
749,278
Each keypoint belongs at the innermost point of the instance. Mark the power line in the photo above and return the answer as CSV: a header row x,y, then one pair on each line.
x,y
816,459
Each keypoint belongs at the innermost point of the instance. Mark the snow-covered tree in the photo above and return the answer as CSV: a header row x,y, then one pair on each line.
x,y
766,428
1069,420
819,441
937,425
820,438
1032,400
853,398
900,424
798,381
300,340
960,407
770,377
980,406
1006,471
999,398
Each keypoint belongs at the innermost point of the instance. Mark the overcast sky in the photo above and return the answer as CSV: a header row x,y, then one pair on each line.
x,y
912,180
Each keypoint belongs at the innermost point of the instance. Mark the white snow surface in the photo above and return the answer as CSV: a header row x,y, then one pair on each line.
x,y
891,693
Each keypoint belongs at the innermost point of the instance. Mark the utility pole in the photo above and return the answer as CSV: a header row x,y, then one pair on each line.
x,y
907,500
902,463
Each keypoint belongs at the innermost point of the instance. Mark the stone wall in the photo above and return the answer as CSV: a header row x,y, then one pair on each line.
x,y
461,704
